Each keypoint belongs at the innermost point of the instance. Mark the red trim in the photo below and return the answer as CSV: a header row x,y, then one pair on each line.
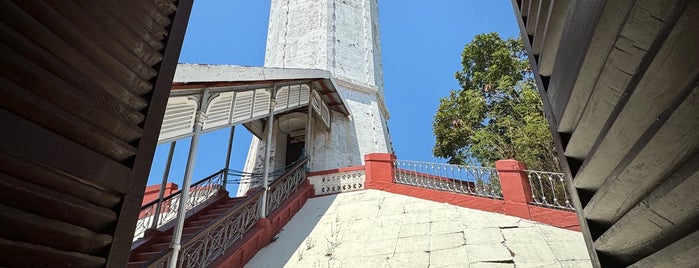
x,y
337,170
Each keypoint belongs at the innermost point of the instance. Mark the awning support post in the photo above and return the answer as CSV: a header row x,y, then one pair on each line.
x,y
228,158
189,170
161,193
268,151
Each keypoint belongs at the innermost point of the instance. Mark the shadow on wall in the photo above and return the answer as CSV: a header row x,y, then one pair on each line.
x,y
296,233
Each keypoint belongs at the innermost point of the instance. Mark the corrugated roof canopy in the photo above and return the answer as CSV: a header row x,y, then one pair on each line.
x,y
233,77
237,95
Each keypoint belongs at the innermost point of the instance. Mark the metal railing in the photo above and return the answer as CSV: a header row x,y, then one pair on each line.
x,y
549,189
215,238
480,181
150,217
286,185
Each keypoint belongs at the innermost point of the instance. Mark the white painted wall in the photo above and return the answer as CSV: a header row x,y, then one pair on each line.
x,y
342,37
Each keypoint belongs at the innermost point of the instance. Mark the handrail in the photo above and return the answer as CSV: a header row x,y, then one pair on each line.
x,y
472,180
286,185
250,206
549,189
153,202
207,244
201,191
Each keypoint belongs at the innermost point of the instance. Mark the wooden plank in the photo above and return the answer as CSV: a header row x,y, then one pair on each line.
x,y
120,32
683,253
533,16
155,12
119,106
84,39
27,140
567,167
51,204
524,9
601,41
50,116
588,105
581,24
664,216
123,50
558,11
45,176
540,25
117,16
128,213
52,21
98,70
671,70
659,151
29,228
28,255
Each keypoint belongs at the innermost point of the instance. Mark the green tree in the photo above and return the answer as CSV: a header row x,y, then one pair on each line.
x,y
497,113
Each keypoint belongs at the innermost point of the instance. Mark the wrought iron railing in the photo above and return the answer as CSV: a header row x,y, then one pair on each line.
x,y
286,185
549,189
199,192
201,249
215,238
481,181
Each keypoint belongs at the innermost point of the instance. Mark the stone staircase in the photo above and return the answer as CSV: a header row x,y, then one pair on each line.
x,y
157,244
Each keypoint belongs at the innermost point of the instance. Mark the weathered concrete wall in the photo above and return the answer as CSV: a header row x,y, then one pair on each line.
x,y
350,137
341,36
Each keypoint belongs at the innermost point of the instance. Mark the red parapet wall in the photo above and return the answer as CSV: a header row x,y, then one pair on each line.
x,y
152,191
516,200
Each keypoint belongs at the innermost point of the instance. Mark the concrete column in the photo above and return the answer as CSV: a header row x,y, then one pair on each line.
x,y
379,170
515,187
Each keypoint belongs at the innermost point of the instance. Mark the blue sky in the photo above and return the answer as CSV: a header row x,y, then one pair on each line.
x,y
421,45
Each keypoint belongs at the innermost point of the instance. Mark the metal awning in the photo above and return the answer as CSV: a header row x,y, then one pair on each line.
x,y
238,94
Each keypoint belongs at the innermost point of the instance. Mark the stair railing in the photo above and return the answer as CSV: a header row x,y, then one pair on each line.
x,y
285,185
212,241
157,213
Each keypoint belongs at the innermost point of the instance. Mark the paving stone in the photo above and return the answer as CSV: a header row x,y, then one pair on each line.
x,y
522,235
364,261
445,227
567,250
414,229
558,234
576,264
483,236
488,252
491,265
444,241
450,256
379,247
413,244
412,259
549,264
531,252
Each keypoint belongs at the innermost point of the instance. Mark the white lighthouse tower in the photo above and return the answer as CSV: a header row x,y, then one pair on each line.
x,y
341,37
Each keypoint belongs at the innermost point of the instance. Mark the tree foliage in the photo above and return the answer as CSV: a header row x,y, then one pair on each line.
x,y
497,113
